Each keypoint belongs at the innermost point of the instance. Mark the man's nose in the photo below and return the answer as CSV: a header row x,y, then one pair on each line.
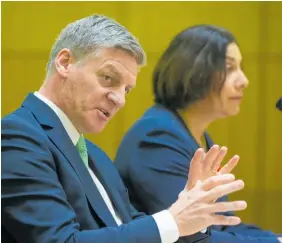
x,y
118,98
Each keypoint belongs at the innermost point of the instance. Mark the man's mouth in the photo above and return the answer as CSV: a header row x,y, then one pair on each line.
x,y
106,113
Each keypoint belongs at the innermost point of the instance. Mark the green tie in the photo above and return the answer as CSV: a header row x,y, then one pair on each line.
x,y
82,149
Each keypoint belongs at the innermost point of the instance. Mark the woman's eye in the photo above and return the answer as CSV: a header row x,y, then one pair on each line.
x,y
229,68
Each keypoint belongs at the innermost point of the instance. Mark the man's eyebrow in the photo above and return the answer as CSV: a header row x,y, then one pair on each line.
x,y
113,69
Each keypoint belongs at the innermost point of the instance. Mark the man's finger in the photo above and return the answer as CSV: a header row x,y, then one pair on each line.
x,y
210,157
222,207
216,163
217,180
230,165
222,190
195,169
225,220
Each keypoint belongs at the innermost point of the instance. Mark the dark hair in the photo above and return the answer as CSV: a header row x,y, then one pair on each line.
x,y
191,66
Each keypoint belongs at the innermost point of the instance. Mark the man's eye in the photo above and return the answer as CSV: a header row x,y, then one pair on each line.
x,y
107,78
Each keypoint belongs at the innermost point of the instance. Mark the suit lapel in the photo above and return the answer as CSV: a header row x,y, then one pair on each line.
x,y
208,141
192,141
58,135
106,176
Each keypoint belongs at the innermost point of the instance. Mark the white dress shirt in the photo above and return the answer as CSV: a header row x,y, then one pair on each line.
x,y
165,222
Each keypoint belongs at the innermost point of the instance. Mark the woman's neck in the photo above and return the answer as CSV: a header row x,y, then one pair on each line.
x,y
197,118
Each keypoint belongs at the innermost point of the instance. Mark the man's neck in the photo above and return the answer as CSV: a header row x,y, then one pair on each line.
x,y
52,96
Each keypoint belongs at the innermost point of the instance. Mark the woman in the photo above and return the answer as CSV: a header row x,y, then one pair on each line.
x,y
197,81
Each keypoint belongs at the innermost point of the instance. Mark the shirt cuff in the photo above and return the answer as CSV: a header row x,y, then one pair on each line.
x,y
167,226
204,230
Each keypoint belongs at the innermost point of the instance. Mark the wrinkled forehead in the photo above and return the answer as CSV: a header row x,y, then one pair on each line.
x,y
121,60
119,69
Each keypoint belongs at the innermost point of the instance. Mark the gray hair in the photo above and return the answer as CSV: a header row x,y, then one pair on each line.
x,y
85,36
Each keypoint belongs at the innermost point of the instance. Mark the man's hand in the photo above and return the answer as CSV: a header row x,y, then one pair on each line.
x,y
203,165
195,209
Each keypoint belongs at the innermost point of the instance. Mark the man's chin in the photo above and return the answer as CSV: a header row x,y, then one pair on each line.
x,y
97,128
94,125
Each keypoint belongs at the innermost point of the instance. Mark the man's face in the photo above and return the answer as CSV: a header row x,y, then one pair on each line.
x,y
95,88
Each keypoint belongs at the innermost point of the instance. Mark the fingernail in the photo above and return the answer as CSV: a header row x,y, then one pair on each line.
x,y
243,204
235,220
240,184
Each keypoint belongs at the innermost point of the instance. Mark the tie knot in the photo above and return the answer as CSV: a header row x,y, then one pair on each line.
x,y
82,149
81,145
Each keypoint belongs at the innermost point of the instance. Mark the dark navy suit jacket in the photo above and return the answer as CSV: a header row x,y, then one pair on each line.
x,y
48,194
153,160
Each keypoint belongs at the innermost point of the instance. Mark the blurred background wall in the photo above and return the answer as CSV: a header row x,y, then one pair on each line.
x,y
30,28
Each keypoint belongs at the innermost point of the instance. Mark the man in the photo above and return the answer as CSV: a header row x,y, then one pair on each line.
x,y
57,187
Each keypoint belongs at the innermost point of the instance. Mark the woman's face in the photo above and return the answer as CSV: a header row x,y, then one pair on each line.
x,y
227,102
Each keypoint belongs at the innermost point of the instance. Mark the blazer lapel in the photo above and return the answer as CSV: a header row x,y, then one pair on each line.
x,y
208,141
105,176
58,135
193,143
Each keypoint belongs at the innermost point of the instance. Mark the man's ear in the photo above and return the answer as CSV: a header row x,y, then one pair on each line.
x,y
63,62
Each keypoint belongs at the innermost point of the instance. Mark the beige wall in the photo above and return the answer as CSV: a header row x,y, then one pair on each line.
x,y
29,30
